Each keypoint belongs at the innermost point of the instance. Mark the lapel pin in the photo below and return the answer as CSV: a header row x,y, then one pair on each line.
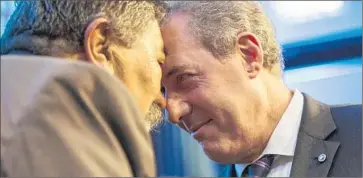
x,y
322,157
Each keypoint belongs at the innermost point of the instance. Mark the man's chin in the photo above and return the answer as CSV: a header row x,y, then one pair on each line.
x,y
154,117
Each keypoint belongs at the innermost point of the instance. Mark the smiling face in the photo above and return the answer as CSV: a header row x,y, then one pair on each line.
x,y
215,100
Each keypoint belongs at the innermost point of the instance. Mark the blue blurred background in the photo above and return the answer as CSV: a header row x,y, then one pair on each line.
x,y
322,42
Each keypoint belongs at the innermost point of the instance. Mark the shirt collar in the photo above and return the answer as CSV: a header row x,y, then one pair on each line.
x,y
284,137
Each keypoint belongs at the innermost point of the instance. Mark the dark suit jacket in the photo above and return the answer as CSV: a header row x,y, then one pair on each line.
x,y
335,131
69,119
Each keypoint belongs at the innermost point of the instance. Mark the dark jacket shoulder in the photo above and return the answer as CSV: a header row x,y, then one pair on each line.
x,y
348,160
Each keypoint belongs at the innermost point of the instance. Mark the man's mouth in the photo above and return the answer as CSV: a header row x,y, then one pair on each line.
x,y
196,127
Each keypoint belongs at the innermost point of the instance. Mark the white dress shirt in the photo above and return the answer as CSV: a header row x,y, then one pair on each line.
x,y
283,139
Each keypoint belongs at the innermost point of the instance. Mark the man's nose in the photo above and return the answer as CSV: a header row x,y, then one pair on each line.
x,y
176,109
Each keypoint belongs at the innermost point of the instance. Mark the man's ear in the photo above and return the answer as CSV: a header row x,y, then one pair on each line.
x,y
96,43
249,47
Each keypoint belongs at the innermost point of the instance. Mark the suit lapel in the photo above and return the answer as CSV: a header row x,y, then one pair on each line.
x,y
316,125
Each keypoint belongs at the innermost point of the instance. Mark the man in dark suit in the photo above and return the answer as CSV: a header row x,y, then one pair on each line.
x,y
333,131
80,112
223,80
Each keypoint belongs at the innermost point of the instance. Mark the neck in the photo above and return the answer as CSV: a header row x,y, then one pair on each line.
x,y
274,98
278,99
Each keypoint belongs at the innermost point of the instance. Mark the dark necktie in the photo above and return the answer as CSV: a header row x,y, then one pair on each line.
x,y
260,168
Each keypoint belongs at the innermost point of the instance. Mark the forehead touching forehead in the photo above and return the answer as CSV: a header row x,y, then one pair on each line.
x,y
152,39
150,43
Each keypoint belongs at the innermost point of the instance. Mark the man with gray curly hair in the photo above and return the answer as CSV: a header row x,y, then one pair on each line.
x,y
224,86
77,78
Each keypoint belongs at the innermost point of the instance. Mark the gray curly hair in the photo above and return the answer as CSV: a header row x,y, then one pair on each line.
x,y
58,26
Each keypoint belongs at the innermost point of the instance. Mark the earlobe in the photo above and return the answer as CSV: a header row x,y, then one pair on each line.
x,y
95,40
251,52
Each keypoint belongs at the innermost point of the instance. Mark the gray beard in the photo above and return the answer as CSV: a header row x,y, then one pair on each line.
x,y
154,117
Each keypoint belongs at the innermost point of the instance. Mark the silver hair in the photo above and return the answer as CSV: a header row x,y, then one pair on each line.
x,y
217,23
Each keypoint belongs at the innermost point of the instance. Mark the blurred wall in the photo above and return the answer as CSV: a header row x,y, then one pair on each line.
x,y
324,19
338,82
7,8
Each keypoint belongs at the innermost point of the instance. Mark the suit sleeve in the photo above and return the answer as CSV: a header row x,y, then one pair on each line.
x,y
83,122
